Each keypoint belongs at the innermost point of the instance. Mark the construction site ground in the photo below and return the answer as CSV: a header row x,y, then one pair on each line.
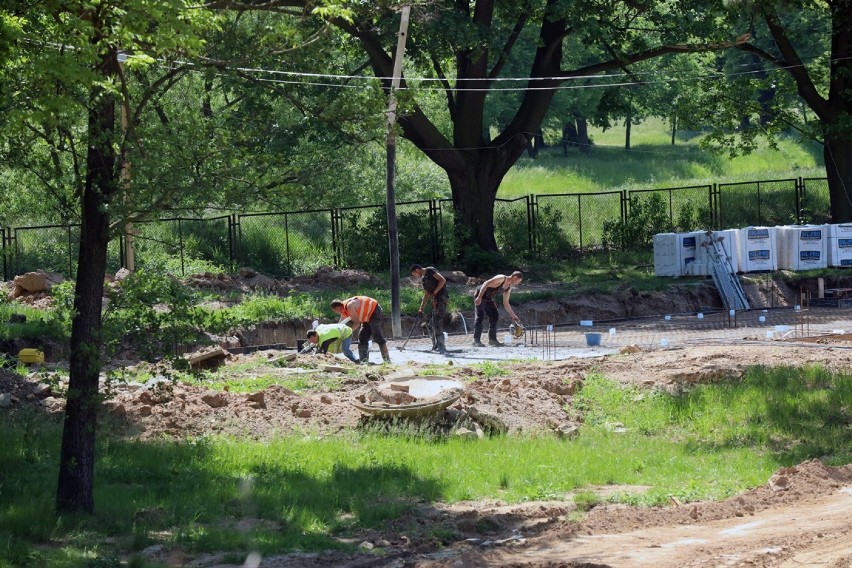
x,y
802,516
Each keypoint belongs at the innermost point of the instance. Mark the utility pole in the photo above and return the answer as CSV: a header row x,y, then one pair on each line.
x,y
393,235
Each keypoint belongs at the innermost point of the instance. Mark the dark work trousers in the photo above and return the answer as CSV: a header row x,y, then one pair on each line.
x,y
439,311
373,329
487,307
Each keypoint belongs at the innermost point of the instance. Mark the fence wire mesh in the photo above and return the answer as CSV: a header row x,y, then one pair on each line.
x,y
814,205
753,203
545,226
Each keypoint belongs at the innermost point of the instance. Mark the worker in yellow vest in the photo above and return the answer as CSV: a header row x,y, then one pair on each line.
x,y
327,337
365,312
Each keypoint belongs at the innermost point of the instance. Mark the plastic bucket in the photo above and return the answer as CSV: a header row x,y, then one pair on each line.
x,y
593,339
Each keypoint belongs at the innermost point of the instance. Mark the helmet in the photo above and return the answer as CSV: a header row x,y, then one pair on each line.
x,y
517,330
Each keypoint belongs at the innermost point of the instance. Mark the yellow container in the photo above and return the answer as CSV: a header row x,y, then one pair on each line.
x,y
30,356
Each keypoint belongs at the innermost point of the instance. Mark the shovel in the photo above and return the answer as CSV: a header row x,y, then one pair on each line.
x,y
416,322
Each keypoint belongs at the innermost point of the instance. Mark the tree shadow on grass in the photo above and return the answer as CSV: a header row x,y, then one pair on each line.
x,y
199,496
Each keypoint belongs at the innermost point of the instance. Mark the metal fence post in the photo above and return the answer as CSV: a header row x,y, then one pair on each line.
x,y
336,236
435,237
530,226
715,206
800,199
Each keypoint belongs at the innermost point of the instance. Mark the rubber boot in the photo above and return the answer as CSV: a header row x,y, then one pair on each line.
x,y
492,338
440,346
363,354
385,353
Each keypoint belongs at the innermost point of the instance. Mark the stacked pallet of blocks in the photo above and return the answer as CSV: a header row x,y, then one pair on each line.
x,y
756,249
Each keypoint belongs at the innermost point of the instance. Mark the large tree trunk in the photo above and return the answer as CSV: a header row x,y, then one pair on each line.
x,y
77,455
473,200
838,167
583,136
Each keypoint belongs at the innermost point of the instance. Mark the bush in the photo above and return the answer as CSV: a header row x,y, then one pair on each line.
x,y
646,217
152,312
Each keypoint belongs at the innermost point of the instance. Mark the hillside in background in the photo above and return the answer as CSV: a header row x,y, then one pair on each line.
x,y
653,162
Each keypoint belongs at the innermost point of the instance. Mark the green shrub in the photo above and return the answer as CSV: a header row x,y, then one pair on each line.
x,y
152,312
646,218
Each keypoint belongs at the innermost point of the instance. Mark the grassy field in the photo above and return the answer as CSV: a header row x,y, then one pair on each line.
x,y
308,493
654,163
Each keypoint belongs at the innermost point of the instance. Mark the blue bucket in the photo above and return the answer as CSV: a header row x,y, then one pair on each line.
x,y
593,339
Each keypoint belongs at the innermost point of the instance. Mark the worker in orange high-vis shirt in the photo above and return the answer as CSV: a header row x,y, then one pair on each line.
x,y
366,312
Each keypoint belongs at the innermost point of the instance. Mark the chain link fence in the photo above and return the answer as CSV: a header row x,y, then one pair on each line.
x,y
557,226
814,204
756,203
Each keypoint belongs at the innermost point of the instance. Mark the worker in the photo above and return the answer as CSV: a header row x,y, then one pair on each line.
x,y
484,304
365,312
434,287
325,335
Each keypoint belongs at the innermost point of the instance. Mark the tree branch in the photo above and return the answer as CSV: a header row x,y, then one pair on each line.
x,y
796,68
510,43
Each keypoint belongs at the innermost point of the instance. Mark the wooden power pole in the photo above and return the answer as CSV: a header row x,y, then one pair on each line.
x,y
393,236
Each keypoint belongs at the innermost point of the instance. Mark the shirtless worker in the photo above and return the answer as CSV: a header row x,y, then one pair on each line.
x,y
484,304
435,287
365,312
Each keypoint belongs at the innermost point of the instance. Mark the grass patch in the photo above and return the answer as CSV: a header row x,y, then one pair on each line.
x,y
653,163
708,442
38,324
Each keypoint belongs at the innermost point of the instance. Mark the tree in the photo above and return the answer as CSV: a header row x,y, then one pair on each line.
x,y
465,47
826,87
66,88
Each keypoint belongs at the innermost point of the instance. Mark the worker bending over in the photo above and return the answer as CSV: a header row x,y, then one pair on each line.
x,y
365,312
484,304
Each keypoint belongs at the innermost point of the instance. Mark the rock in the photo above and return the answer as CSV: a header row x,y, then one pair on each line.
x,y
628,349
258,397
28,283
207,358
325,399
215,400
455,276
400,388
366,545
261,282
116,409
560,387
41,389
122,274
304,413
465,433
5,400
144,411
246,272
333,369
779,483
568,431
